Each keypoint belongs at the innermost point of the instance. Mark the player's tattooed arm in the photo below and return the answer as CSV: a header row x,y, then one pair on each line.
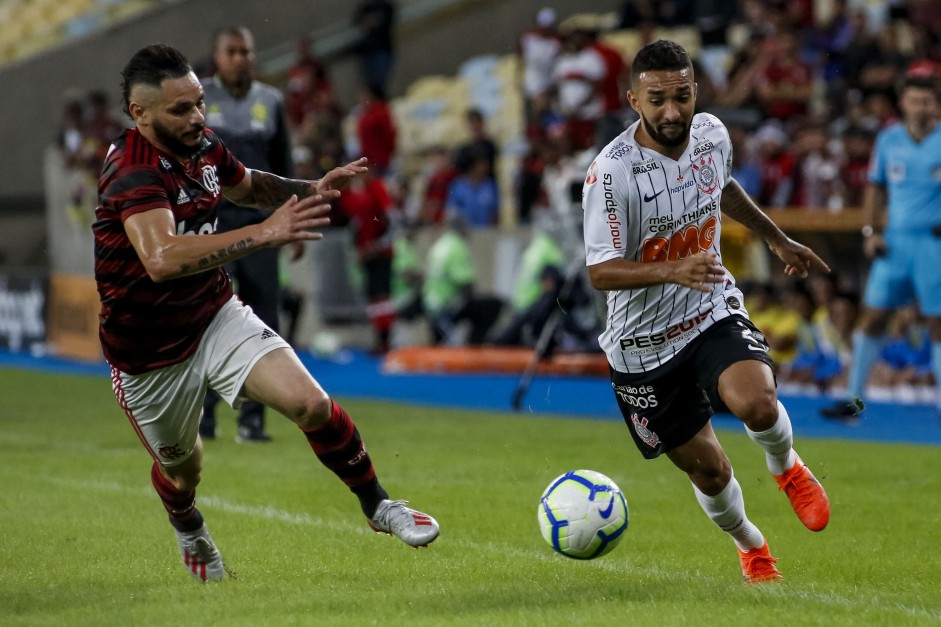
x,y
220,256
798,259
269,191
738,205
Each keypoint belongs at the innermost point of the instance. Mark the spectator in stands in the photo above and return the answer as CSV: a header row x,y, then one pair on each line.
x,y
250,119
479,144
745,168
367,204
100,129
666,13
903,195
407,274
528,183
473,195
816,360
375,20
448,292
70,137
857,146
778,323
785,86
747,65
375,129
906,357
815,181
537,49
776,163
307,83
579,72
438,174
880,71
542,251
614,85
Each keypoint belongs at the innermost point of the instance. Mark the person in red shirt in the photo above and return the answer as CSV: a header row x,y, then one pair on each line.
x,y
613,87
784,87
439,172
366,203
307,84
375,129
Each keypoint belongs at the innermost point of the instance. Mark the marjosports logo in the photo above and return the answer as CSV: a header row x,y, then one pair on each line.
x,y
643,344
611,208
681,244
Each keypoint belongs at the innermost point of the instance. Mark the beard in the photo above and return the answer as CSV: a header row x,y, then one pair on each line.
x,y
176,146
666,140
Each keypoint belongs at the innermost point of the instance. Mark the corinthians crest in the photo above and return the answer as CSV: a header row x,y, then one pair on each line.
x,y
650,438
705,174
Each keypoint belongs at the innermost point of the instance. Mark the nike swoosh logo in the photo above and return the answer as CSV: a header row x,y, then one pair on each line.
x,y
649,198
752,347
607,511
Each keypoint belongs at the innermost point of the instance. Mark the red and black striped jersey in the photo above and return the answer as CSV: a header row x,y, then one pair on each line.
x,y
146,325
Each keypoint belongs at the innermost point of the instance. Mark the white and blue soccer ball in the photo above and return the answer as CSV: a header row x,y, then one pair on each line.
x,y
582,514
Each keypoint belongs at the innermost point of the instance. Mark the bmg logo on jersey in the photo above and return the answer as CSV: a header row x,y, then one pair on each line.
x,y
682,244
641,397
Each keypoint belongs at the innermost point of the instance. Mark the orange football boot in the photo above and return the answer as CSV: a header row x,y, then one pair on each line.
x,y
807,496
758,565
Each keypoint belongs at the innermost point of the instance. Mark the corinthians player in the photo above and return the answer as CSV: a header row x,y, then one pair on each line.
x,y
678,339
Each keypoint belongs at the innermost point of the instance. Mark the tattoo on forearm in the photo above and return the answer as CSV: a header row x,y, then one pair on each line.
x,y
736,204
219,257
270,191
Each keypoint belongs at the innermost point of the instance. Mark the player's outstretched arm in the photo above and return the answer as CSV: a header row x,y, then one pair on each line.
x,y
167,256
699,272
798,259
264,190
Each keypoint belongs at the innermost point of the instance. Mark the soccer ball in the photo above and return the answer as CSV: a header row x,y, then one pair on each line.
x,y
582,514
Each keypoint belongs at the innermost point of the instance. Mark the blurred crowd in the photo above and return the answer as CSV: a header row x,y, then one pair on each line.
x,y
803,86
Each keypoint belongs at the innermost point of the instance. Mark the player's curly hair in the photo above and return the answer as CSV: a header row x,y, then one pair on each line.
x,y
659,55
151,66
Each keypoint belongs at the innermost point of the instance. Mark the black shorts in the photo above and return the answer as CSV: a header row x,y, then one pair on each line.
x,y
665,407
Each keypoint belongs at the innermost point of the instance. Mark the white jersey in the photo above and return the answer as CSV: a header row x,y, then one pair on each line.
x,y
644,207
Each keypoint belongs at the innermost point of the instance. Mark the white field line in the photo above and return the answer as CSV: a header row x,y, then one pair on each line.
x,y
267,512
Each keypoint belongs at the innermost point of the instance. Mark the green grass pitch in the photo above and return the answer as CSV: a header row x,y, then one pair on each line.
x,y
86,542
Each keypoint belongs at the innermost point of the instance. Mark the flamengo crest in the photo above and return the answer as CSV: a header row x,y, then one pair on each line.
x,y
211,180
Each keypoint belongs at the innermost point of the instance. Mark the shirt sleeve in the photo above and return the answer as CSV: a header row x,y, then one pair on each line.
x,y
136,190
231,171
605,201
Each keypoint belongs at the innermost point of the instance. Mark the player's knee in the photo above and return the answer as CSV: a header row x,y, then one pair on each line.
x,y
186,482
711,478
312,411
759,411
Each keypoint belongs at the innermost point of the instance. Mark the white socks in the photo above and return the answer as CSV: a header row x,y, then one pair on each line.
x,y
727,509
777,442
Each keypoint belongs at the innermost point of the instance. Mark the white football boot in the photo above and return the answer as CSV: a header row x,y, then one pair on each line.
x,y
200,555
411,527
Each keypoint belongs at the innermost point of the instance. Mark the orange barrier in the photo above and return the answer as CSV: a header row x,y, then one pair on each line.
x,y
491,360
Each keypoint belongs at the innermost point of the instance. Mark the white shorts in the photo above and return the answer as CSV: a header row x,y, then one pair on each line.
x,y
165,405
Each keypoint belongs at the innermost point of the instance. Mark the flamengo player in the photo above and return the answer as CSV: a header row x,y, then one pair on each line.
x,y
678,339
170,325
